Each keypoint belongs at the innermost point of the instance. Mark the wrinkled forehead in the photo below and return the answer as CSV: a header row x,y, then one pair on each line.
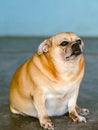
x,y
68,36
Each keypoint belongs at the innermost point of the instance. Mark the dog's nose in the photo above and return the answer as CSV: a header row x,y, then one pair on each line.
x,y
75,47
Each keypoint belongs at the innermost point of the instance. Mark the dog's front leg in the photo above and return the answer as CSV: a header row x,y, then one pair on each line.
x,y
39,102
72,109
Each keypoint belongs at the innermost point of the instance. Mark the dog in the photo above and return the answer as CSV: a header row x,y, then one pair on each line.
x,y
47,84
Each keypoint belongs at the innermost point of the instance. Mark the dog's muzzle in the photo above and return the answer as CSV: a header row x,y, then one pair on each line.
x,y
76,49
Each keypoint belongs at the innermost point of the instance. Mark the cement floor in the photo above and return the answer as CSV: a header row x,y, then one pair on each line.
x,y
13,52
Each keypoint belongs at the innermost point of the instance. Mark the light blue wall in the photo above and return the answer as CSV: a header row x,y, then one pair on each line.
x,y
46,17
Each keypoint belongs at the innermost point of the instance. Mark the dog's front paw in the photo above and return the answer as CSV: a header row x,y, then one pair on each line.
x,y
79,119
47,124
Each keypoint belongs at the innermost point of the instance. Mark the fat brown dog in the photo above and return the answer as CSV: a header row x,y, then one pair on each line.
x,y
47,84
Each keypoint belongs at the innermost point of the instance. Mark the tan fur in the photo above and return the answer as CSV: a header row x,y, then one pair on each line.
x,y
47,84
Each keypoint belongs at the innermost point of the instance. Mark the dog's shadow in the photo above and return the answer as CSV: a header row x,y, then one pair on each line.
x,y
19,122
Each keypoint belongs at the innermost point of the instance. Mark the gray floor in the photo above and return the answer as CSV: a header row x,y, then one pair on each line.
x,y
13,52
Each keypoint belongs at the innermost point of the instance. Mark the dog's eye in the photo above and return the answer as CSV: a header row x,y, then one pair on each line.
x,y
64,43
79,41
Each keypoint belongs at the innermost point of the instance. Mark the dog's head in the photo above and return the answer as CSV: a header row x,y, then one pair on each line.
x,y
66,46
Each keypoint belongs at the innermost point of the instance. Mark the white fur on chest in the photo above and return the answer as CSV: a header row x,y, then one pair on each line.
x,y
56,106
57,100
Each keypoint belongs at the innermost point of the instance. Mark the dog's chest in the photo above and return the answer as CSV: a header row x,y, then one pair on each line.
x,y
57,101
56,105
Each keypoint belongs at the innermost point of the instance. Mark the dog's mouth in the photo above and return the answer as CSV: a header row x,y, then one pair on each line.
x,y
74,53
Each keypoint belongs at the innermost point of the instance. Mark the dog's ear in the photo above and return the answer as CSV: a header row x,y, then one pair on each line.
x,y
44,46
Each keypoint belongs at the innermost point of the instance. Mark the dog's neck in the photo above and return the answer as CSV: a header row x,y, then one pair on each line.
x,y
57,69
69,66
